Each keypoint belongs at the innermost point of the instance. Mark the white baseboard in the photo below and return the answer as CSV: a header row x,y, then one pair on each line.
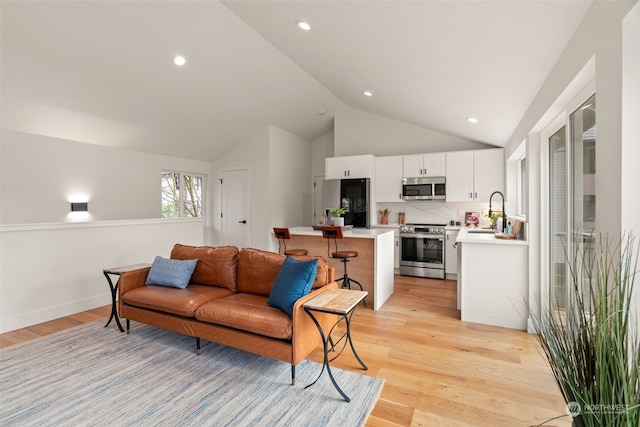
x,y
46,314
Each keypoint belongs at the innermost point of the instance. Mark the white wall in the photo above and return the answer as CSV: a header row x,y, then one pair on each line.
x,y
631,132
359,132
321,148
49,271
39,174
253,154
52,267
598,40
290,164
630,122
280,164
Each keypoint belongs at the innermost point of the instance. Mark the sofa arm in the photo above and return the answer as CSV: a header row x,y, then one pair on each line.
x,y
305,336
130,280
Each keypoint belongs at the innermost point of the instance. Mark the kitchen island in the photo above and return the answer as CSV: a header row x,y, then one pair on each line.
x,y
492,279
373,267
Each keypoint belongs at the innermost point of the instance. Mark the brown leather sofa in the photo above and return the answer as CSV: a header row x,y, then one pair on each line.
x,y
226,303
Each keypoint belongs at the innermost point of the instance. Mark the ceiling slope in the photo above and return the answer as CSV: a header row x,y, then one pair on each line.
x,y
102,72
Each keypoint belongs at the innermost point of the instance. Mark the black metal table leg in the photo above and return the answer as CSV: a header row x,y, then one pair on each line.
x,y
353,349
114,310
341,303
325,362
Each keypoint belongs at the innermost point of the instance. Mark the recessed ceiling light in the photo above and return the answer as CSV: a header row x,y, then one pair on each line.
x,y
304,25
367,93
472,120
179,60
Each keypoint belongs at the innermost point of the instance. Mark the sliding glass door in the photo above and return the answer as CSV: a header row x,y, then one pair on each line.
x,y
572,196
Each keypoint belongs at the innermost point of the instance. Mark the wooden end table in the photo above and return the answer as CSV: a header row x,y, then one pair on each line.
x,y
117,271
342,303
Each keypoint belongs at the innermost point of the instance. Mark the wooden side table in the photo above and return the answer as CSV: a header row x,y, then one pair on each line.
x,y
117,271
342,303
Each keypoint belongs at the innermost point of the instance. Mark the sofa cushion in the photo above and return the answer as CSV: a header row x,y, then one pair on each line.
x,y
257,271
292,283
323,275
216,266
248,312
182,302
171,272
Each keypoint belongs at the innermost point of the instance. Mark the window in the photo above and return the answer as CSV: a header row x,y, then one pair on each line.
x,y
181,195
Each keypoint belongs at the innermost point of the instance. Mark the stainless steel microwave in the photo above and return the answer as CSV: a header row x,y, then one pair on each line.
x,y
424,188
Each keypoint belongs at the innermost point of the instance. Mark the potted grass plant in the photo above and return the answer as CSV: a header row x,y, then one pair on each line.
x,y
337,213
591,343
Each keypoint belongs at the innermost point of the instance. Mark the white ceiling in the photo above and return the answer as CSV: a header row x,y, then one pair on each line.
x,y
102,71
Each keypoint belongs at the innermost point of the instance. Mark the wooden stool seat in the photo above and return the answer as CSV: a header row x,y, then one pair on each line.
x,y
295,252
283,234
344,254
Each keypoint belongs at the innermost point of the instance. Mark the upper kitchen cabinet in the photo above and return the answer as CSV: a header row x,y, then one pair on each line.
x,y
349,167
389,179
474,175
418,165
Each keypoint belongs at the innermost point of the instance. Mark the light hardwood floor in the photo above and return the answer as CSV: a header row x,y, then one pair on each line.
x,y
438,371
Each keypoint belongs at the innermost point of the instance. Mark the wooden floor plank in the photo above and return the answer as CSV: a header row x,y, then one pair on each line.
x,y
438,370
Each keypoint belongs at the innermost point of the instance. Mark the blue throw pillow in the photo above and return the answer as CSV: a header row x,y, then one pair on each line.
x,y
175,273
294,280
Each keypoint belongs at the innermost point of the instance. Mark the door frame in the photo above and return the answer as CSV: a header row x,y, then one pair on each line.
x,y
314,192
562,119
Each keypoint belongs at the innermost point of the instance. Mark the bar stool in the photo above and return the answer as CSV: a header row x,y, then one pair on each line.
x,y
332,232
282,234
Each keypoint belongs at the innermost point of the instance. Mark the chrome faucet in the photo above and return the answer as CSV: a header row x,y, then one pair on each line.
x,y
504,214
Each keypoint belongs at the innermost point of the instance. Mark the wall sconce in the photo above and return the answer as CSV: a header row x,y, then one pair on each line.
x,y
79,207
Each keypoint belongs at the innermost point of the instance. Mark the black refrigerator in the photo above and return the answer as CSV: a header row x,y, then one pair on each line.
x,y
354,198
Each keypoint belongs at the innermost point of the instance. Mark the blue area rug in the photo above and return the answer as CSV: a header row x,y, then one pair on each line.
x,y
89,375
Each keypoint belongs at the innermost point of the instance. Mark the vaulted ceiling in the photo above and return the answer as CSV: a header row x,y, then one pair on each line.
x,y
102,71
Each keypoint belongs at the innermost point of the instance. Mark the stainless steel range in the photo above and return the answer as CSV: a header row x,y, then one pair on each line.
x,y
422,249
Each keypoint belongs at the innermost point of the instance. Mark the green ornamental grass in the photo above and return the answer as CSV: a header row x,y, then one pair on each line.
x,y
592,345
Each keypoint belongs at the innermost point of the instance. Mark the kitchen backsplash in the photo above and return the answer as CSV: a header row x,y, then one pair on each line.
x,y
434,212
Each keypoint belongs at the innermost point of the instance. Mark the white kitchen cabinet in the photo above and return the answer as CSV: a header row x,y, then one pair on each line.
x,y
389,179
488,173
451,254
416,165
361,166
474,175
493,280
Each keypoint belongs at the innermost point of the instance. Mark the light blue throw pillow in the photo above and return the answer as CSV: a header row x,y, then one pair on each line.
x,y
294,280
175,273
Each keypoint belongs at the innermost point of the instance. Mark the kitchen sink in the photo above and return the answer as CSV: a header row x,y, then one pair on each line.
x,y
482,231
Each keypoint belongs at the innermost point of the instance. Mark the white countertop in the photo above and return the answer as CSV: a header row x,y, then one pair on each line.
x,y
359,233
391,225
465,237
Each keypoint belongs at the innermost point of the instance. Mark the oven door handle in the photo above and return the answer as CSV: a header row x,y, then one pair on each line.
x,y
422,236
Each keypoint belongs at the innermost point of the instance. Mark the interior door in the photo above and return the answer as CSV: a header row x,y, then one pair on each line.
x,y
235,212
